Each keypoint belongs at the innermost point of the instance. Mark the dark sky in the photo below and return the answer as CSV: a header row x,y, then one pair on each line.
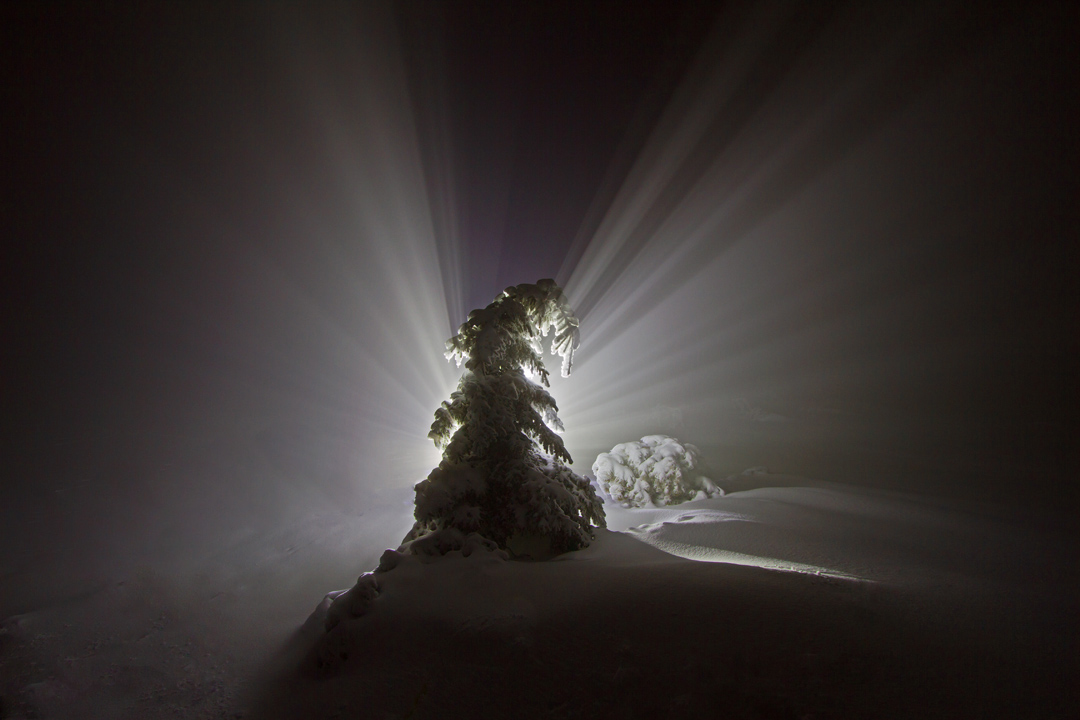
x,y
546,102
160,157
149,147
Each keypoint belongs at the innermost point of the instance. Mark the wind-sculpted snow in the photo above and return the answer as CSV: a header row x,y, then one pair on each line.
x,y
656,470
838,531
829,602
967,616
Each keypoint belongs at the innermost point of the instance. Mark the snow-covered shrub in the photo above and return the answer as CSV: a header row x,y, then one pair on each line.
x,y
504,474
657,470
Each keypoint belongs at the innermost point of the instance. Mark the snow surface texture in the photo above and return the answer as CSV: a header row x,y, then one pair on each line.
x,y
901,540
897,607
656,470
954,614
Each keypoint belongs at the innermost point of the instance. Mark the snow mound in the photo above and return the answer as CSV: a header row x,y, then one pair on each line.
x,y
841,532
655,471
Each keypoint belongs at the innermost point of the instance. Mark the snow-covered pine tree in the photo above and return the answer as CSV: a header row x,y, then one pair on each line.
x,y
503,473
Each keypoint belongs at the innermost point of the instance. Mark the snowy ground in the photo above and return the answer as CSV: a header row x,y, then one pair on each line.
x,y
797,601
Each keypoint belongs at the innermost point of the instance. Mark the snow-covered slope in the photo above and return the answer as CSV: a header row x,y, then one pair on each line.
x,y
811,602
843,531
896,608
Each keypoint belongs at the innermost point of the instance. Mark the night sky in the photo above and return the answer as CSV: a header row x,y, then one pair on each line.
x,y
246,230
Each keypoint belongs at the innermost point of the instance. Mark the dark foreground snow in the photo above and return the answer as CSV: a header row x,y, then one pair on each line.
x,y
800,603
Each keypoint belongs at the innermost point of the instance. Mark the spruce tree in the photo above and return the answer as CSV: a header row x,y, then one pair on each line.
x,y
504,473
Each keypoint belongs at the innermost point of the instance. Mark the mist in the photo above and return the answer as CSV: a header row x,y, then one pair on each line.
x,y
832,240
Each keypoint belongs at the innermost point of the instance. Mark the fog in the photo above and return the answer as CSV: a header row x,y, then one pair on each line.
x,y
836,241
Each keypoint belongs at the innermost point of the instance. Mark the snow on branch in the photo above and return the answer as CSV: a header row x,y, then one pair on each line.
x,y
503,474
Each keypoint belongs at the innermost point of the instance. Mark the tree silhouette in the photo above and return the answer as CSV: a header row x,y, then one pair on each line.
x,y
503,474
